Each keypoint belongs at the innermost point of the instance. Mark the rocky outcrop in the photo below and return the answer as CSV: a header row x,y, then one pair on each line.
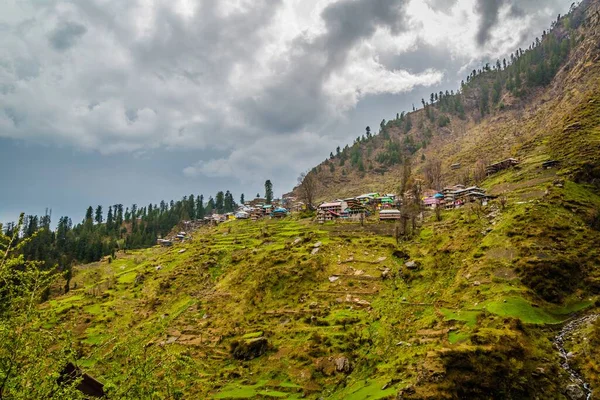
x,y
249,349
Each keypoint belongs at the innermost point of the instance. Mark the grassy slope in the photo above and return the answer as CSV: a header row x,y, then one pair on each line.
x,y
470,319
476,320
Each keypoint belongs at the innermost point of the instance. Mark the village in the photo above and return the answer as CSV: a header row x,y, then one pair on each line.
x,y
372,206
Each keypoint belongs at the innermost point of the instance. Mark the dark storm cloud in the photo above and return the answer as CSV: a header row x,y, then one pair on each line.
x,y
296,95
489,13
66,35
488,10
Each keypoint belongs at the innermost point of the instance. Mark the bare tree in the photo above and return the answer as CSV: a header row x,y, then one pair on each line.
x,y
479,173
307,183
433,173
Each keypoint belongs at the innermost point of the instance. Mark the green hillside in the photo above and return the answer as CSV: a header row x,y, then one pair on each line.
x,y
342,315
468,306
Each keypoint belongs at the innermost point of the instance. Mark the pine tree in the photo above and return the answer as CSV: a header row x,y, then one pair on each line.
x,y
98,216
109,219
268,191
220,202
242,199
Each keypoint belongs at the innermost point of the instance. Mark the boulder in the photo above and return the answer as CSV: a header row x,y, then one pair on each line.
x,y
411,265
315,250
318,244
342,364
401,255
249,349
574,392
381,259
385,274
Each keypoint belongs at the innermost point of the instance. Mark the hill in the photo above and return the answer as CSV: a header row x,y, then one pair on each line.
x,y
498,301
540,104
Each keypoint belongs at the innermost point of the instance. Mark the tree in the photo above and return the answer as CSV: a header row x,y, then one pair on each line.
x,y
479,172
368,131
29,353
200,207
98,215
229,203
268,191
109,219
89,214
220,202
337,151
242,199
433,173
307,183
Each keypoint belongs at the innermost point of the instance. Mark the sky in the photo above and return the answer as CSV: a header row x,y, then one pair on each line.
x,y
112,101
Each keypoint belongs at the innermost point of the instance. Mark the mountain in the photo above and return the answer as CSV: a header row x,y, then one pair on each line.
x,y
539,103
498,301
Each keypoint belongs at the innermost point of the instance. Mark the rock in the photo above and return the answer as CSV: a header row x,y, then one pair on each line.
x,y
411,265
574,392
297,241
318,244
359,272
333,278
385,274
182,251
158,267
249,349
570,355
401,255
315,250
476,283
381,259
342,364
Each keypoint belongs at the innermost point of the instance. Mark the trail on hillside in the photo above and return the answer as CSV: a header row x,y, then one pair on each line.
x,y
559,342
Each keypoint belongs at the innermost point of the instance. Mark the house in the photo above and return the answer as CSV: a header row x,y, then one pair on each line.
x,y
353,208
279,212
390,215
549,164
330,211
384,201
502,165
462,195
71,374
257,202
367,198
242,215
164,242
433,201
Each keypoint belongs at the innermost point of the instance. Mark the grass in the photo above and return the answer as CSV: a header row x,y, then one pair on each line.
x,y
365,390
517,307
246,280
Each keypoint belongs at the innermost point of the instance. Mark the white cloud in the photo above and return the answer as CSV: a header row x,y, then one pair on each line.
x,y
257,79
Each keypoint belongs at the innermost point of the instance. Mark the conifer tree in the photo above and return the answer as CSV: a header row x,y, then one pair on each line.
x,y
268,191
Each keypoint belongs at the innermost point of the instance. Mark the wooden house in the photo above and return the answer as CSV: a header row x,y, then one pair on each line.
x,y
390,215
502,165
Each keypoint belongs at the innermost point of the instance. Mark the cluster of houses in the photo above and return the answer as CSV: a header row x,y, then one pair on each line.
x,y
356,208
388,205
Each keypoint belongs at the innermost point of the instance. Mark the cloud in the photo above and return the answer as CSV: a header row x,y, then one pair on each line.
x,y
528,12
65,36
251,79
